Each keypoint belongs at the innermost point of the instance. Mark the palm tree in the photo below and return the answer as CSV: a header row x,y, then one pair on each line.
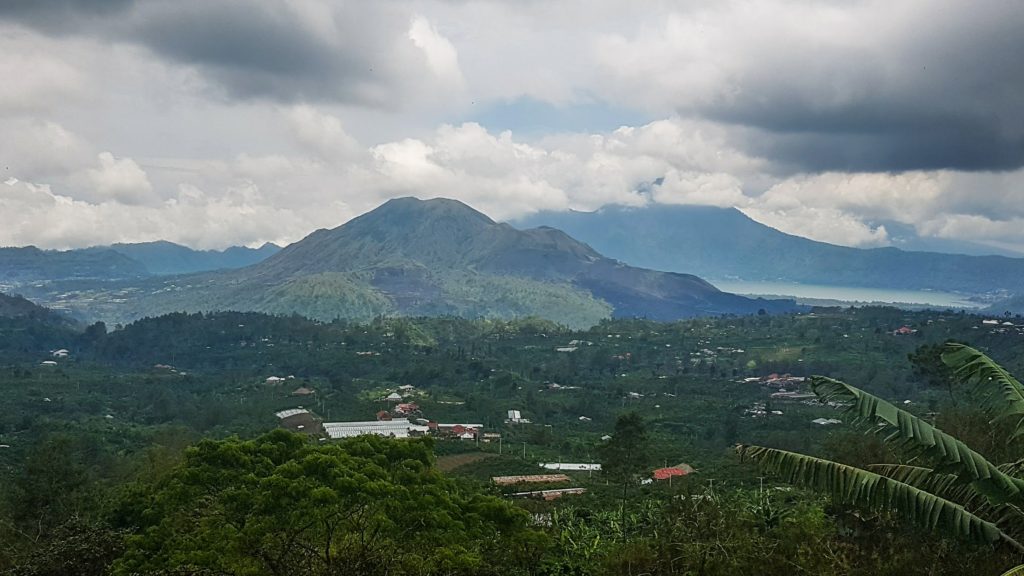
x,y
950,486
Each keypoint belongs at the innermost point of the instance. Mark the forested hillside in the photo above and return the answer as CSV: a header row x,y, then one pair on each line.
x,y
104,456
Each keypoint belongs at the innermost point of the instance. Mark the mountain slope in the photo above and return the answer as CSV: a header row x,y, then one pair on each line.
x,y
723,243
441,257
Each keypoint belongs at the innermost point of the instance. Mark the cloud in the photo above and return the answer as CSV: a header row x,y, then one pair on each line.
x,y
320,133
278,117
280,50
120,180
192,217
839,86
442,58
822,224
710,189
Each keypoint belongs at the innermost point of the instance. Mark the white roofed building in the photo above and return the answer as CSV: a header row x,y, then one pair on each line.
x,y
571,466
393,428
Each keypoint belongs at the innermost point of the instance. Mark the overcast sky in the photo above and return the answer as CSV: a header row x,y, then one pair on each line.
x,y
220,122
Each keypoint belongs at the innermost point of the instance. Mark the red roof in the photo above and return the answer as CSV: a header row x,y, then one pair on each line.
x,y
666,473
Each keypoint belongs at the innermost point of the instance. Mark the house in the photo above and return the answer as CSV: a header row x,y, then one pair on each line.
x,y
62,353
383,415
460,431
516,417
584,419
990,322
530,479
904,331
668,472
48,363
290,412
566,349
303,391
406,408
826,421
394,397
274,380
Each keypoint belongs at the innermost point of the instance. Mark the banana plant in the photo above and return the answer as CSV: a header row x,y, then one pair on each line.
x,y
950,486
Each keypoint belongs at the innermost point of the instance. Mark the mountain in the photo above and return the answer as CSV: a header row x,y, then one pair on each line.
x,y
905,237
167,258
13,306
31,331
723,243
439,257
30,264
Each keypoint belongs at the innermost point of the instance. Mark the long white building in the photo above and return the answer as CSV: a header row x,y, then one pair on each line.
x,y
395,428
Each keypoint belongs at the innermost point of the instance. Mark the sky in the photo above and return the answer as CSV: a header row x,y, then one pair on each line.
x,y
225,122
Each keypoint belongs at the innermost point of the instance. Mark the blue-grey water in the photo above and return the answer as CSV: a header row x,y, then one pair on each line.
x,y
849,294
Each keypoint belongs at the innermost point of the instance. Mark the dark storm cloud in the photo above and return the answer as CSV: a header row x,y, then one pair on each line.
x,y
860,85
260,50
851,142
270,49
60,15
944,93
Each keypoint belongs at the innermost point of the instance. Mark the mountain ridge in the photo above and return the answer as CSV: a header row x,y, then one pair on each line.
x,y
439,257
724,243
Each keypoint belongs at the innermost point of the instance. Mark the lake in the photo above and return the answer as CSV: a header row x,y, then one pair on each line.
x,y
849,294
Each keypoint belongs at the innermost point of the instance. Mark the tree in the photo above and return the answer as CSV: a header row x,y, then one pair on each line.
x,y
281,505
625,456
951,486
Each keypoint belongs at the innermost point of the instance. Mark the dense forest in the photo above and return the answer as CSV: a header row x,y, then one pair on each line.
x,y
153,448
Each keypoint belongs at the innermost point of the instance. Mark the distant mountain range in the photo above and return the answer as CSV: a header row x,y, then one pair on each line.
x,y
166,258
725,244
120,262
434,257
30,264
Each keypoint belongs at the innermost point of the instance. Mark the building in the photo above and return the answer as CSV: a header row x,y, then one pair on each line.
x,y
394,397
303,391
460,431
516,417
299,420
571,466
549,495
406,408
392,428
530,479
671,471
826,421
